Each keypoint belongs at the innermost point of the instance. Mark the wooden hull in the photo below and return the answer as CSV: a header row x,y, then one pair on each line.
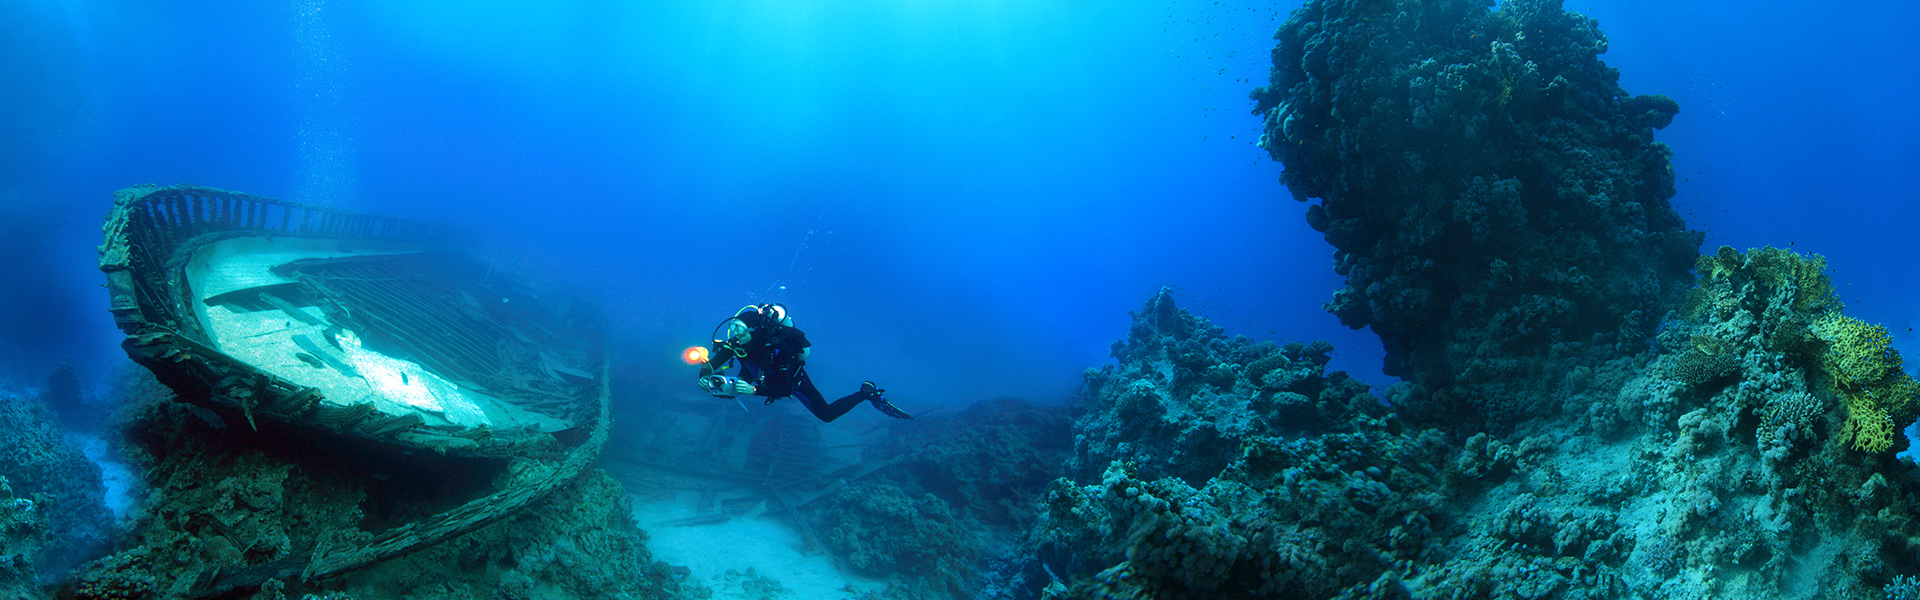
x,y
366,329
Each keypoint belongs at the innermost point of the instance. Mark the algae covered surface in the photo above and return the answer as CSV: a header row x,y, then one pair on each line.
x,y
229,498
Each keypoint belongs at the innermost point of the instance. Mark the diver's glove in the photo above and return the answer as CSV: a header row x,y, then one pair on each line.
x,y
874,392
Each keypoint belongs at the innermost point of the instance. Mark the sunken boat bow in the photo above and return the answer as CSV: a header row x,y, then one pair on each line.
x,y
366,329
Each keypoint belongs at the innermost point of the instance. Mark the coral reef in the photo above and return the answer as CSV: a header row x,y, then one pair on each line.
x,y
227,498
1863,368
45,467
989,462
1717,464
1757,485
1230,468
23,533
959,488
877,530
1492,194
1183,398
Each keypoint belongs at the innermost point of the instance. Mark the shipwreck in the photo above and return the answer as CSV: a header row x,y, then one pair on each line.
x,y
377,332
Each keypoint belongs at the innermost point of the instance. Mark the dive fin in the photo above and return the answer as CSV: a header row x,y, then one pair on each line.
x,y
880,402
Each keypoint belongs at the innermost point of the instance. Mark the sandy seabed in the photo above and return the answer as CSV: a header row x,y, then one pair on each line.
x,y
768,544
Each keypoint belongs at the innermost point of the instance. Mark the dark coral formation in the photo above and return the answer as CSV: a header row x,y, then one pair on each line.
x,y
226,498
879,531
23,535
54,476
1491,193
1216,467
959,488
63,395
1182,397
989,462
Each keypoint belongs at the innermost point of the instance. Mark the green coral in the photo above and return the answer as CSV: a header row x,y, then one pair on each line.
x,y
1856,359
1858,354
1806,275
1866,371
1719,265
1259,368
1768,267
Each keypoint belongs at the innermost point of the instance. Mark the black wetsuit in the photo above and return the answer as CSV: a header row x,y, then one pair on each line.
x,y
771,362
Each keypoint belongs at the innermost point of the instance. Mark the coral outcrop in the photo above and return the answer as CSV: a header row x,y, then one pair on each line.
x,y
1183,397
1720,463
23,533
1492,194
1216,467
877,530
1766,478
46,469
959,489
579,542
990,462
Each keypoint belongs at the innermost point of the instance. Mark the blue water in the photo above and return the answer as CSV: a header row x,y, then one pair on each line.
x,y
959,199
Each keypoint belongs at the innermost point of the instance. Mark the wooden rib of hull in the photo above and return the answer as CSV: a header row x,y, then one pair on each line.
x,y
152,233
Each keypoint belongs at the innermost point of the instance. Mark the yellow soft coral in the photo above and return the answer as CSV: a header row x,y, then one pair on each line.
x,y
1856,360
1869,427
1774,268
1866,371
1858,354
1720,264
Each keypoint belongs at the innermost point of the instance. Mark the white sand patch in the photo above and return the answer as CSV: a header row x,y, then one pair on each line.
x,y
114,474
768,545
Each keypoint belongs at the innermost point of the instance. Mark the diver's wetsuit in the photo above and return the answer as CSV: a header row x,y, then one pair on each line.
x,y
771,362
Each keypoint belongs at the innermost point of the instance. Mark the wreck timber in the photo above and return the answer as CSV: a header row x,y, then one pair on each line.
x,y
362,328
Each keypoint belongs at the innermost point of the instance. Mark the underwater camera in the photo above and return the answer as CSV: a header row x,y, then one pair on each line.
x,y
719,385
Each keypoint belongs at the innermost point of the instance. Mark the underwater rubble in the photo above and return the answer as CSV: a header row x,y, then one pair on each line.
x,y
228,498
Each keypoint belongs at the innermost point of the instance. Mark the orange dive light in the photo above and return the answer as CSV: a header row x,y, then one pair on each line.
x,y
694,355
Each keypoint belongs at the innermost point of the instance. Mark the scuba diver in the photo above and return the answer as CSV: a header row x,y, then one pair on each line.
x,y
772,355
